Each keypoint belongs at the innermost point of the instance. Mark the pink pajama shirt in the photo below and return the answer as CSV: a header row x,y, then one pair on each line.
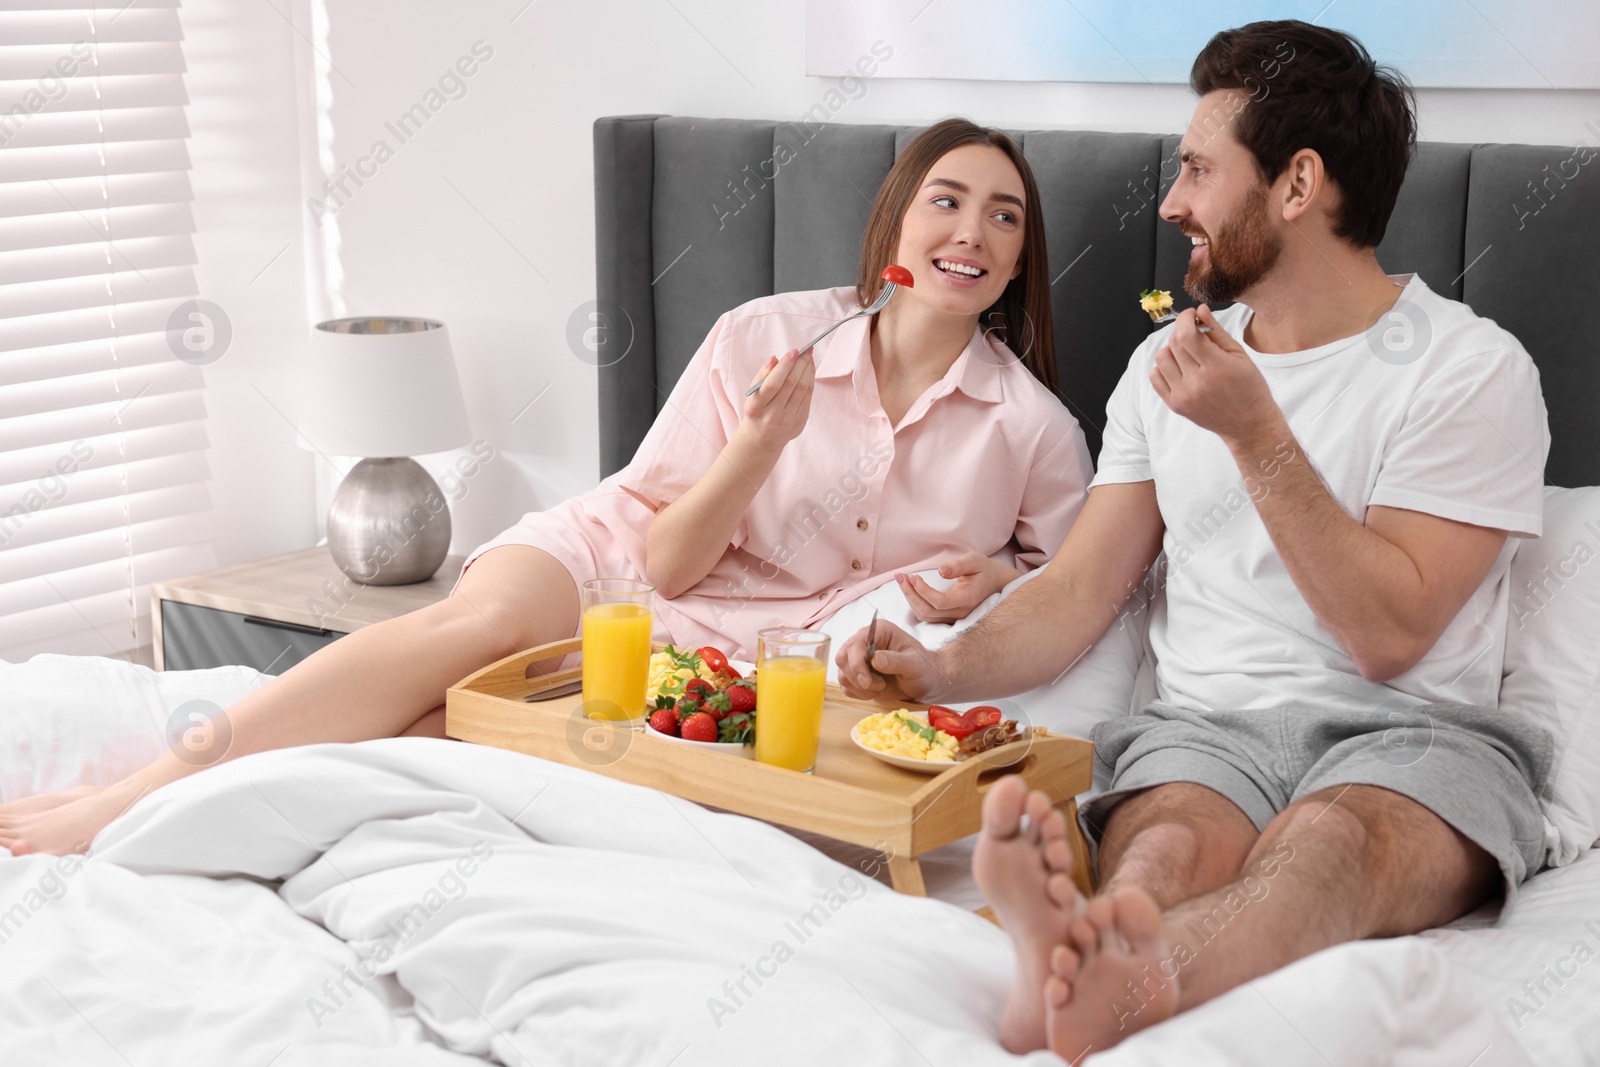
x,y
986,460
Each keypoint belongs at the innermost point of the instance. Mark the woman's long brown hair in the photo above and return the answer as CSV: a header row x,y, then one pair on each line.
x,y
1022,316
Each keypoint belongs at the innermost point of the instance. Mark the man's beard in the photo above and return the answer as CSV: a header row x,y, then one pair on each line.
x,y
1237,256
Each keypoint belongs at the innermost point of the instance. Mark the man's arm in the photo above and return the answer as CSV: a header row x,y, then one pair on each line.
x,y
1037,632
1385,590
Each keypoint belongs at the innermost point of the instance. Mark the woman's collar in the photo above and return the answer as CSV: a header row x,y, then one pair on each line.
x,y
976,372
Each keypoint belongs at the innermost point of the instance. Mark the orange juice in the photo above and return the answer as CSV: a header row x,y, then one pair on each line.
x,y
616,659
789,711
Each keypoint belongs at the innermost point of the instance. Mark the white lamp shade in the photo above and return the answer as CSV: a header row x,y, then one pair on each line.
x,y
383,387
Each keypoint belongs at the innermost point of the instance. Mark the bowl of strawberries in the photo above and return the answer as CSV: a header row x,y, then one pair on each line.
x,y
698,698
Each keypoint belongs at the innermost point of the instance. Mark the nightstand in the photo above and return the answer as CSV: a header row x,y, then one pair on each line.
x,y
272,613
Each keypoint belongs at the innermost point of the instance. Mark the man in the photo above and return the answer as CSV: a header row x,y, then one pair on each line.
x,y
1337,467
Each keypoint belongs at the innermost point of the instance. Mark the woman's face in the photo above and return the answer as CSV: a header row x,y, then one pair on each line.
x,y
962,235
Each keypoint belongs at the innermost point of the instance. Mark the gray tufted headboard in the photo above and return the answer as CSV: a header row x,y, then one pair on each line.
x,y
690,220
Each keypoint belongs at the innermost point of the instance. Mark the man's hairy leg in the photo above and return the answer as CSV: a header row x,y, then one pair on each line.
x,y
1175,842
1342,864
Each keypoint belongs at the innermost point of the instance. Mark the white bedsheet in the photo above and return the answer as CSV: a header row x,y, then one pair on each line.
x,y
609,925
599,923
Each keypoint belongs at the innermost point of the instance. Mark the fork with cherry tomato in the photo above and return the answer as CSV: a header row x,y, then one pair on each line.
x,y
894,274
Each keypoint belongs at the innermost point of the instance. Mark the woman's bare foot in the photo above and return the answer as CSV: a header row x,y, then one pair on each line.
x,y
46,801
1011,866
1109,979
67,827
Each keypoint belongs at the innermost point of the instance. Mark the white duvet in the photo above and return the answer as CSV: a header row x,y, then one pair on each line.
x,y
428,902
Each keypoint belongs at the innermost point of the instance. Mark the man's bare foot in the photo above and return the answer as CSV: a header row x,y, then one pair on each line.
x,y
46,801
1011,865
67,827
1110,978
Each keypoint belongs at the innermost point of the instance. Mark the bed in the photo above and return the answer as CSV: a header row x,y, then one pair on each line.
x,y
424,902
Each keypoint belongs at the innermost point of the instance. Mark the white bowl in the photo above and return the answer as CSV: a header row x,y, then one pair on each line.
x,y
727,749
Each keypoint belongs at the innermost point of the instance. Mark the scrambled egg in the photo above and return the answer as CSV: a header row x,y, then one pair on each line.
x,y
664,672
890,733
1155,302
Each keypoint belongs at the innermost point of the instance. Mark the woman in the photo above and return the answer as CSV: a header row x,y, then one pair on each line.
x,y
901,442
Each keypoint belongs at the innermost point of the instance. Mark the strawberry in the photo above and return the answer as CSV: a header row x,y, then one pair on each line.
x,y
699,727
718,704
665,721
742,696
698,685
738,728
688,705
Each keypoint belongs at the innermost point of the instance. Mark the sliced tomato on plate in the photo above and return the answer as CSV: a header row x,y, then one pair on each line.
x,y
950,721
983,716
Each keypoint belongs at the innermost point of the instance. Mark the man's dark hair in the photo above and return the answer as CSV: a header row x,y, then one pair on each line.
x,y
1316,88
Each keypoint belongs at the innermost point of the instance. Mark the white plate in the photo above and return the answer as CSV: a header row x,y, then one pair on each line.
x,y
921,766
729,749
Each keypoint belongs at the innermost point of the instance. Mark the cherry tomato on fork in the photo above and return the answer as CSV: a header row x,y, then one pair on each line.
x,y
894,272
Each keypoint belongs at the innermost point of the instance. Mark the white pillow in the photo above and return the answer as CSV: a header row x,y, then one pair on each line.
x,y
1552,663
87,720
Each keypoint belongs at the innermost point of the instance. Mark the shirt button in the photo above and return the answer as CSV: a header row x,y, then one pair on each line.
x,y
861,524
855,564
822,596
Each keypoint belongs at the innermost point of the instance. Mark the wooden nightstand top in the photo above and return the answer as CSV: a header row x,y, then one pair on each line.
x,y
305,588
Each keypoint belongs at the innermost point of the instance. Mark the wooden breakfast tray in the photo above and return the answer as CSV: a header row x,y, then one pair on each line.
x,y
851,796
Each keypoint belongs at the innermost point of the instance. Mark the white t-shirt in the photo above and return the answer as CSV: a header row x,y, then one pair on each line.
x,y
1434,409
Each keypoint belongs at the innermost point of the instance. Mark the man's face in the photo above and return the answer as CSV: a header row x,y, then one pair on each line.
x,y
1220,202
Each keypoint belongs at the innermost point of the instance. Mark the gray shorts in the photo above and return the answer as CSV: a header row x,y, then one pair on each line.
x,y
1479,770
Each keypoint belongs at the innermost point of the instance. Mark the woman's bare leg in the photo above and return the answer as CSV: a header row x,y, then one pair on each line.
x,y
430,725
377,682
44,801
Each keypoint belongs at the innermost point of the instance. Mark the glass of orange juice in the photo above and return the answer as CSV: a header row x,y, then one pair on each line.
x,y
617,621
791,670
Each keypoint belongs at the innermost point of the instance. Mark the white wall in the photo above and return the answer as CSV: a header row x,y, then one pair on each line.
x,y
485,218
244,148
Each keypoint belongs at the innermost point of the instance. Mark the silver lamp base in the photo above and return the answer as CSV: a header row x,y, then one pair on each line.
x,y
389,524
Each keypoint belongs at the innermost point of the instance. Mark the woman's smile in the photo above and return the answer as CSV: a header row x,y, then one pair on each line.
x,y
960,271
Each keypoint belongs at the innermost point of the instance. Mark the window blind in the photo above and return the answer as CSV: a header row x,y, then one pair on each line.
x,y
102,440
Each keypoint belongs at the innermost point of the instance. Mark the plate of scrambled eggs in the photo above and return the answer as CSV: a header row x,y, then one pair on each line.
x,y
904,739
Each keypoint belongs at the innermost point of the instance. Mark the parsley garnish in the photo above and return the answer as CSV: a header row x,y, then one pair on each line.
x,y
927,733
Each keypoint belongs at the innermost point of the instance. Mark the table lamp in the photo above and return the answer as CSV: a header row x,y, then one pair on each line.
x,y
385,389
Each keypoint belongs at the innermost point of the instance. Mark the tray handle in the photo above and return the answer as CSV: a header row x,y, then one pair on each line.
x,y
510,675
959,793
